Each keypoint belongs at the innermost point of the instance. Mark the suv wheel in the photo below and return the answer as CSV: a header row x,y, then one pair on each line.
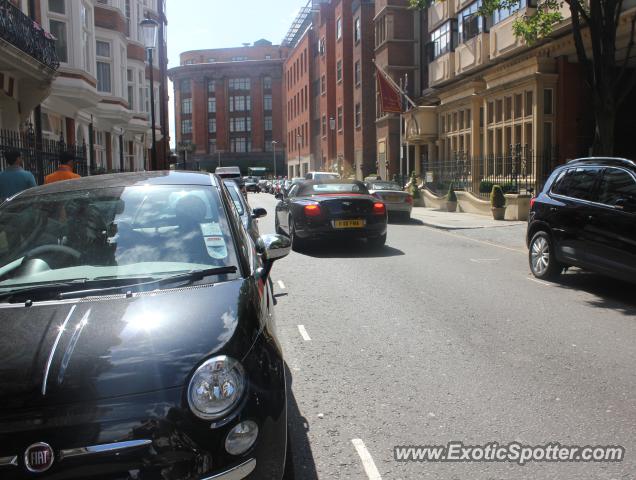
x,y
543,262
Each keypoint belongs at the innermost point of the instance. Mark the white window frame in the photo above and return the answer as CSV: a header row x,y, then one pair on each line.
x,y
106,61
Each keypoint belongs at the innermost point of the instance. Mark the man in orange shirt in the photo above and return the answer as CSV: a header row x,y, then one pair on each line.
x,y
64,171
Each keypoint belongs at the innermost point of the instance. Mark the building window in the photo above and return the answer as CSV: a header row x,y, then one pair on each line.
x,y
339,71
211,125
87,27
57,6
130,77
529,101
356,30
469,22
240,124
321,46
268,124
339,29
211,60
268,57
58,30
239,59
323,85
442,40
357,73
339,118
104,80
186,106
239,144
503,13
548,107
267,83
189,62
267,103
358,113
185,87
239,84
212,145
240,104
212,105
323,126
211,87
186,127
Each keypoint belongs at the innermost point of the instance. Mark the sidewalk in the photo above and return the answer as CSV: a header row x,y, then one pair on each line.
x,y
458,221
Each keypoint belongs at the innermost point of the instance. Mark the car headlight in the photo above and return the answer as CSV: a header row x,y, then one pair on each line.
x,y
216,388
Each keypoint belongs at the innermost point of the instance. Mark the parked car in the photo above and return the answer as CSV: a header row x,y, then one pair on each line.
x,y
228,172
248,216
331,209
397,201
585,217
251,185
321,176
138,333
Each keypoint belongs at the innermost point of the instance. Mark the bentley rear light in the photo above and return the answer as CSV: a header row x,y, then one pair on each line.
x,y
532,200
409,199
312,210
379,208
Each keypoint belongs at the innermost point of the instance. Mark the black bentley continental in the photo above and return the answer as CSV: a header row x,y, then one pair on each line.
x,y
138,338
331,210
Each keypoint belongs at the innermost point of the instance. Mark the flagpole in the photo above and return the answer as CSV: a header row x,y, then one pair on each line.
x,y
401,145
392,82
406,139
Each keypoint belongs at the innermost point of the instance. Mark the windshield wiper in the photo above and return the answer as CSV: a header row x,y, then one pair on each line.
x,y
189,277
41,289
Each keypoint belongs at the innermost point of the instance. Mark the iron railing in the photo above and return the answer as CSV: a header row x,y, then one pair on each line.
x,y
521,170
27,35
41,159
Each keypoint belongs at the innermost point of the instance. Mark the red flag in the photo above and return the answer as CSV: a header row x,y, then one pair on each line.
x,y
389,95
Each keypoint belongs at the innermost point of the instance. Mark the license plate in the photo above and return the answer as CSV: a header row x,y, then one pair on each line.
x,y
393,198
349,223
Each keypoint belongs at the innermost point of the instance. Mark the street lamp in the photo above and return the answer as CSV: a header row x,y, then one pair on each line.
x,y
299,142
274,143
332,128
149,32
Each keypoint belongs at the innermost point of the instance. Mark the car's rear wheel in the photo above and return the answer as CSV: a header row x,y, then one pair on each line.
x,y
543,262
297,243
377,242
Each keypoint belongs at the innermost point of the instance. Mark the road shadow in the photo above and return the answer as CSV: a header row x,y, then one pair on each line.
x,y
404,221
303,458
348,249
611,293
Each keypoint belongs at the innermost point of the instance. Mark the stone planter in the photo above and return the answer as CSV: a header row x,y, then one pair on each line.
x,y
498,213
451,206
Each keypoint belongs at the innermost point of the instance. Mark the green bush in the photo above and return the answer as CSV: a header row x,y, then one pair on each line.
x,y
485,186
415,192
451,197
497,198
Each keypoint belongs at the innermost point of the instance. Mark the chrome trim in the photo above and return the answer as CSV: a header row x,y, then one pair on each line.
x,y
52,354
71,346
105,448
236,473
9,461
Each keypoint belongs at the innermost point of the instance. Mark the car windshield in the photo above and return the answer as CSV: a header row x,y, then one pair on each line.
x,y
385,186
236,197
113,233
327,188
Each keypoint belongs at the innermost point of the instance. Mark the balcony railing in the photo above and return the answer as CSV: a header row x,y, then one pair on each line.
x,y
25,34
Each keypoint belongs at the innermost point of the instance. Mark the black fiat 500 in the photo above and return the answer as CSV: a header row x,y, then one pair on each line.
x,y
586,217
138,337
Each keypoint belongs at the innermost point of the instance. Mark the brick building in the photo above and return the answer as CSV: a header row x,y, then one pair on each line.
x,y
337,113
228,106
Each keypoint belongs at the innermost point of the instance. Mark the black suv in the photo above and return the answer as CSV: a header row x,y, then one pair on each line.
x,y
585,217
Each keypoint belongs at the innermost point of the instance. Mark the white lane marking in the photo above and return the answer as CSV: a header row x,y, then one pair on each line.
x,y
545,284
367,460
281,285
303,333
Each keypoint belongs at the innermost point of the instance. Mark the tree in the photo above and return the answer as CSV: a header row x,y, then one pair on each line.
x,y
594,25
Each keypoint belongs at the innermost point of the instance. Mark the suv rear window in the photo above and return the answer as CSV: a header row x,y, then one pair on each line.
x,y
577,183
617,186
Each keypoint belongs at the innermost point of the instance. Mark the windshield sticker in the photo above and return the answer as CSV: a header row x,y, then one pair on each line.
x,y
214,240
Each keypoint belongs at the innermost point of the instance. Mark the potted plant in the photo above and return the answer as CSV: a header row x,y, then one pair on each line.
x,y
414,190
451,199
497,203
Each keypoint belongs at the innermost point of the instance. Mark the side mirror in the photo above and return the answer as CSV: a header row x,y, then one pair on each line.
x,y
626,205
273,247
259,213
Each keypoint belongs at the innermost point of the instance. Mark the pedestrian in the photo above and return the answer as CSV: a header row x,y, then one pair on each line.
x,y
64,171
15,178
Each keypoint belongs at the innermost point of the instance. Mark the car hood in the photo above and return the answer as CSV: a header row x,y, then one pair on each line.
x,y
64,352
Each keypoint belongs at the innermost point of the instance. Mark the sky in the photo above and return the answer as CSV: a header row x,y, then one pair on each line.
x,y
200,24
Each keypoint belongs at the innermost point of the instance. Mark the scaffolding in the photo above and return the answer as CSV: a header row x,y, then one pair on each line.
x,y
299,25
